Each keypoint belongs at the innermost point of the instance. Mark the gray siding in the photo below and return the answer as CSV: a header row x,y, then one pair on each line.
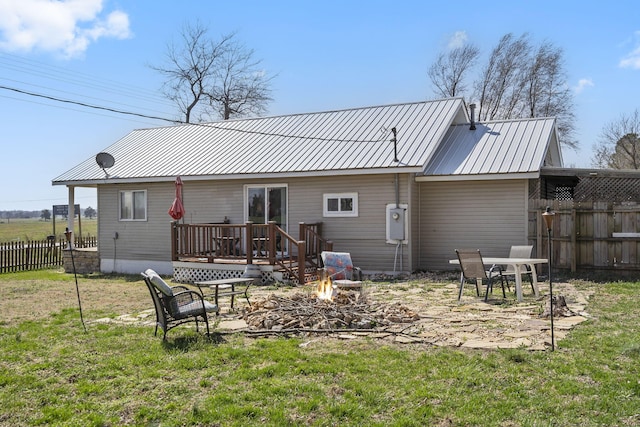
x,y
211,201
486,215
137,240
363,236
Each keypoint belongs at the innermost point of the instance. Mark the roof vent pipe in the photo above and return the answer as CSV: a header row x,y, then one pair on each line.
x,y
395,144
472,107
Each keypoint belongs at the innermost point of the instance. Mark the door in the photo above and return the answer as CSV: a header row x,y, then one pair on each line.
x,y
267,203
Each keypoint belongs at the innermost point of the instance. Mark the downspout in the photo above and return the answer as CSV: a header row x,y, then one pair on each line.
x,y
397,184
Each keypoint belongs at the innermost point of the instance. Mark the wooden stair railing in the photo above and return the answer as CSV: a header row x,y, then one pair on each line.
x,y
312,234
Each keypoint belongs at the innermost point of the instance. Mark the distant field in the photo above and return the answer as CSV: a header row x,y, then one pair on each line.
x,y
37,229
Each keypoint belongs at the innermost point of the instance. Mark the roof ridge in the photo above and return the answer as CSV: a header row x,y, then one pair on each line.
x,y
246,119
524,119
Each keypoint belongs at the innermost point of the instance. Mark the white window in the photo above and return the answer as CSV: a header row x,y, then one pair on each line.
x,y
133,205
340,204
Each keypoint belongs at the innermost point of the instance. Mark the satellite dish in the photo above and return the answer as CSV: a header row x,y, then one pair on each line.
x,y
105,161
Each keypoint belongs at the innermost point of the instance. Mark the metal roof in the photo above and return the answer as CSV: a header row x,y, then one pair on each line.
x,y
347,141
497,147
433,138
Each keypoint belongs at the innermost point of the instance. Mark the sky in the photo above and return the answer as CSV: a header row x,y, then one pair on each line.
x,y
324,55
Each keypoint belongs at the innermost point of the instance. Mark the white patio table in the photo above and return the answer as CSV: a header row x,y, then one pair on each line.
x,y
516,263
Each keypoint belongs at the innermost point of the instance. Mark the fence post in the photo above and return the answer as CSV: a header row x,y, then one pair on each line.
x,y
574,246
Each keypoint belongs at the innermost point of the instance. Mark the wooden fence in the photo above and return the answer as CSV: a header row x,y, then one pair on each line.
x,y
38,254
588,235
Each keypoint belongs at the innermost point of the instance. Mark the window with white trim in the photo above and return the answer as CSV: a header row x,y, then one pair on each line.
x,y
133,205
340,205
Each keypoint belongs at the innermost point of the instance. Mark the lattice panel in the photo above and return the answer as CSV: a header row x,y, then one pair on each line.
x,y
587,188
607,189
194,274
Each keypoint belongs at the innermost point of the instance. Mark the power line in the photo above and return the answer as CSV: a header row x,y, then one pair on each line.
x,y
75,109
210,125
73,93
83,104
60,74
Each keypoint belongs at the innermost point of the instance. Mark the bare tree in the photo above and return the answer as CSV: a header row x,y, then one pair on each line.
x,y
619,143
449,71
208,79
242,88
518,80
499,89
547,91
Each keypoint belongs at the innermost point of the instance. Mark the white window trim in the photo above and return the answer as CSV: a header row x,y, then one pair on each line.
x,y
334,214
146,205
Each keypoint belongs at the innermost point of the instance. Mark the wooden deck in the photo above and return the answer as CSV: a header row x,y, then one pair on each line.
x,y
239,245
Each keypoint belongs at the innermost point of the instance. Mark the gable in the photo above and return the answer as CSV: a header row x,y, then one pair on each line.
x,y
500,147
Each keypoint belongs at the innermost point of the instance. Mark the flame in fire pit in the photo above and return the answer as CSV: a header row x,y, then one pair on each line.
x,y
325,290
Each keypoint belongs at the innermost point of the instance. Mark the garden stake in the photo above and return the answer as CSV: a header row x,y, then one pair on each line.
x,y
548,219
68,233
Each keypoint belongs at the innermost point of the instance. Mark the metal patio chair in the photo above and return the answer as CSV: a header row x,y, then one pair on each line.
x,y
472,268
176,305
519,252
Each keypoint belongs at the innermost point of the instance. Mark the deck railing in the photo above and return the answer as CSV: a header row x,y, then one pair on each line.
x,y
250,242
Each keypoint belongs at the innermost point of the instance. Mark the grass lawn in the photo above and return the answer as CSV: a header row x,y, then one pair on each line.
x,y
54,373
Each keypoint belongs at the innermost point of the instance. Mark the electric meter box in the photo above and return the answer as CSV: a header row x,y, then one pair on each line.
x,y
396,223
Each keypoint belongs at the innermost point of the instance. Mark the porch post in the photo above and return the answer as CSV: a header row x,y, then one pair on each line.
x,y
71,213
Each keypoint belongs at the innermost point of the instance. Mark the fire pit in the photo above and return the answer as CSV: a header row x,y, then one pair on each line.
x,y
325,308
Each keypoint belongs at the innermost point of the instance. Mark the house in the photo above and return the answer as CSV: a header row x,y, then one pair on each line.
x,y
398,186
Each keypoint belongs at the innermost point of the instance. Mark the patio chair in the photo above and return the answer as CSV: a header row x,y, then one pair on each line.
x,y
472,268
176,305
339,267
519,252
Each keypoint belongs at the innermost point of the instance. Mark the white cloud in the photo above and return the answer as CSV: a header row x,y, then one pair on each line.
x,y
66,27
632,60
582,84
457,40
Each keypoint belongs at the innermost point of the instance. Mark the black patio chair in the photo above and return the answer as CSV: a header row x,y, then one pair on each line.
x,y
472,268
176,305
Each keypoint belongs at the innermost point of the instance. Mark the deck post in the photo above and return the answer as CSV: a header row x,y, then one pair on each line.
x,y
302,261
174,239
249,242
271,242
